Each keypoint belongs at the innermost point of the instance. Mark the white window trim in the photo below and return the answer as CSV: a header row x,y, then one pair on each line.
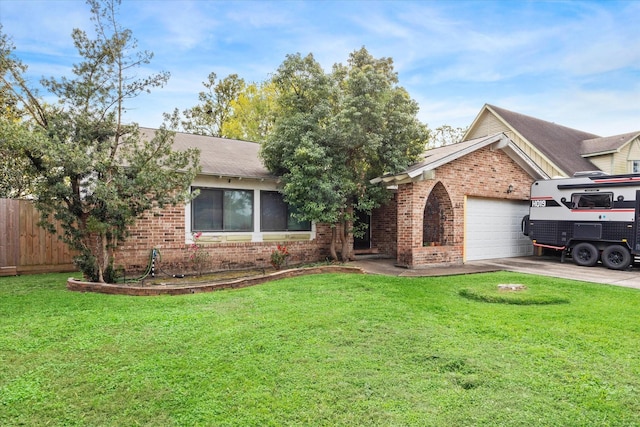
x,y
254,236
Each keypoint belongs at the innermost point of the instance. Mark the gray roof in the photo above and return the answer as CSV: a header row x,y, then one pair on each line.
x,y
560,144
222,157
595,146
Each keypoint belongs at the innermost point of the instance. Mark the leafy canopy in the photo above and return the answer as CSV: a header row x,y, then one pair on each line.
x,y
230,108
96,175
336,131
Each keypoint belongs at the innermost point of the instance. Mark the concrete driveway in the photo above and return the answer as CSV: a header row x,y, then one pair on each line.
x,y
541,265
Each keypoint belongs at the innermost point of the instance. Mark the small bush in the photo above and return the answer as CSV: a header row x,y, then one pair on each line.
x,y
86,263
279,257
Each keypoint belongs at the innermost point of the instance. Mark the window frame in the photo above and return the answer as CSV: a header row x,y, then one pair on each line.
x,y
223,191
583,201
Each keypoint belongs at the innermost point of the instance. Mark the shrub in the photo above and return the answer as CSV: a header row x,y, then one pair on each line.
x,y
279,257
198,257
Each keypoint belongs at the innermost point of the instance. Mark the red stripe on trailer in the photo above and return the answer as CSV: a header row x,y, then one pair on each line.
x,y
600,181
602,210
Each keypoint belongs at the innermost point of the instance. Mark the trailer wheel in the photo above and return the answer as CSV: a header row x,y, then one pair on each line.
x,y
616,257
585,254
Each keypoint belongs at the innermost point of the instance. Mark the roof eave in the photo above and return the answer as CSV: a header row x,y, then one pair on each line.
x,y
499,141
599,153
240,177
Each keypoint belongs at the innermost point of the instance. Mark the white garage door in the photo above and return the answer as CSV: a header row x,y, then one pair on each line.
x,y
492,229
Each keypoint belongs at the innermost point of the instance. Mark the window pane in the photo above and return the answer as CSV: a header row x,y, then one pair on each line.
x,y
207,210
238,210
276,214
592,201
297,225
273,211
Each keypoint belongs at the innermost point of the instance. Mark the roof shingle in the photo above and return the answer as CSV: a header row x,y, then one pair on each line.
x,y
220,156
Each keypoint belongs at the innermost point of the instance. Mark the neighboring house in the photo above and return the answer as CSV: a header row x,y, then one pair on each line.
x,y
559,150
614,154
461,202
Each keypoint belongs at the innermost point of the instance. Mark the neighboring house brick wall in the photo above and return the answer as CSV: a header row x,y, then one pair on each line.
x,y
483,173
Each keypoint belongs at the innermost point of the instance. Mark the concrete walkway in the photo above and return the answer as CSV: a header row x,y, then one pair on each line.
x,y
543,266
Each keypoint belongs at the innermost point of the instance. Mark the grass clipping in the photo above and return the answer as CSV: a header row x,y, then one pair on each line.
x,y
513,294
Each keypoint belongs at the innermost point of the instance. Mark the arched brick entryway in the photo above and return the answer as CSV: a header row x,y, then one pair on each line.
x,y
437,220
426,225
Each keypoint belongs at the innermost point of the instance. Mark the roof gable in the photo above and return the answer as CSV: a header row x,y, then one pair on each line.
x,y
559,144
437,157
221,156
606,145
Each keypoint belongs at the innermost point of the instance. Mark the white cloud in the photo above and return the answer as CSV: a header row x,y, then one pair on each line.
x,y
576,63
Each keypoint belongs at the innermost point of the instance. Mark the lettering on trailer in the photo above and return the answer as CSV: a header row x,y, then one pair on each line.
x,y
543,202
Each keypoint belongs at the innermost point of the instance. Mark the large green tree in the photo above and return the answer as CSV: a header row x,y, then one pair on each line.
x,y
230,108
215,108
96,175
253,113
16,175
447,135
335,132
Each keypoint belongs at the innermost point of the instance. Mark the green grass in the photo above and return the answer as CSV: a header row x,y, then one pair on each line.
x,y
321,350
538,295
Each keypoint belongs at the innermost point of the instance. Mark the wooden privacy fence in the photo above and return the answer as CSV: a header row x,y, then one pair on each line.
x,y
26,248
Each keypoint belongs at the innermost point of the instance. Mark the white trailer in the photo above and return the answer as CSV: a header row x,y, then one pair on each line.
x,y
590,217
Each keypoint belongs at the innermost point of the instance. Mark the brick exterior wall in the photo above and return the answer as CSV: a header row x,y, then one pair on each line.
x,y
483,173
397,228
165,230
384,228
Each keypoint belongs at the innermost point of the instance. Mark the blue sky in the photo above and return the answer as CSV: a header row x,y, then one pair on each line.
x,y
571,62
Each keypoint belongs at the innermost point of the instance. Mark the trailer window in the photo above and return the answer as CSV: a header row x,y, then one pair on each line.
x,y
592,201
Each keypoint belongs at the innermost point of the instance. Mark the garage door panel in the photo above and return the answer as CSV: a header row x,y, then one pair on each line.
x,y
493,229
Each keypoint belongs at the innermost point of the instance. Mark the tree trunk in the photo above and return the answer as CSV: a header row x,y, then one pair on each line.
x,y
347,248
332,248
103,257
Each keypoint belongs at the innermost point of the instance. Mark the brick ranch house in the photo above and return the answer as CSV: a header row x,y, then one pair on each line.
x,y
461,202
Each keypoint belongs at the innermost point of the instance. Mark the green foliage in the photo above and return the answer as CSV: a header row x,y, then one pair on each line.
x,y
279,256
199,258
16,174
446,135
94,174
86,263
230,108
215,108
253,113
326,350
336,131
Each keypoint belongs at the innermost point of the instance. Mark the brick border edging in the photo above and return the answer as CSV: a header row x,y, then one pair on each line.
x,y
115,289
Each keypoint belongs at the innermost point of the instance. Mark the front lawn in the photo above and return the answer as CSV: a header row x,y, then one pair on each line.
x,y
325,350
